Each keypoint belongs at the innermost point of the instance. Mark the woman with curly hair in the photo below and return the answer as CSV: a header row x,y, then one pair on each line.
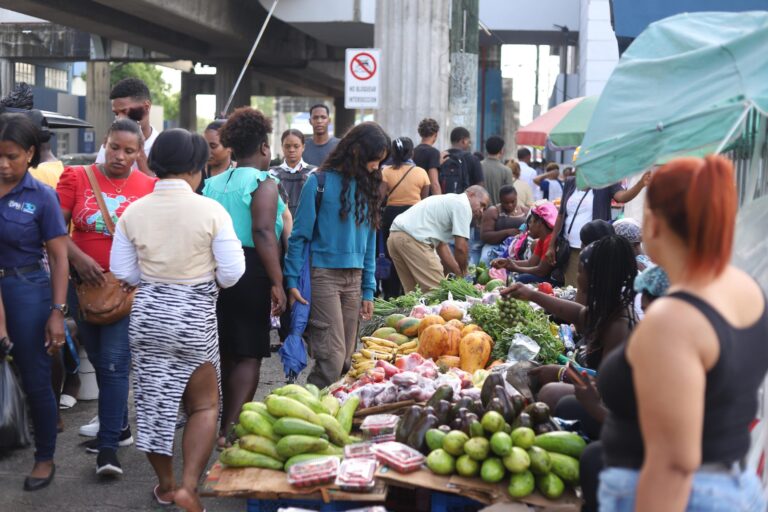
x,y
342,232
249,193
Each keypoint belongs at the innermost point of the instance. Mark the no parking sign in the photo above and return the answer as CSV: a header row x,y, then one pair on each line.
x,y
361,78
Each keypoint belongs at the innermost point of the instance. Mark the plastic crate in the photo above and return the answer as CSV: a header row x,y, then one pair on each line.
x,y
445,502
318,505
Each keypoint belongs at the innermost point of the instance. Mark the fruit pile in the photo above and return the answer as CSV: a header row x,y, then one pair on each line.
x,y
293,424
547,462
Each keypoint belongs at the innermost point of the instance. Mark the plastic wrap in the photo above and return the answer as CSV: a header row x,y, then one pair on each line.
x,y
313,472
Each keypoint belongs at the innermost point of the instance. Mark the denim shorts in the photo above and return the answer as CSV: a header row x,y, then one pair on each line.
x,y
711,492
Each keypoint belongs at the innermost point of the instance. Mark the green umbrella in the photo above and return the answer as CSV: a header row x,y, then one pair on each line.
x,y
569,132
684,87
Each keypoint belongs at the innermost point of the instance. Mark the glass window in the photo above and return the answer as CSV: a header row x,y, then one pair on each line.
x,y
24,73
56,79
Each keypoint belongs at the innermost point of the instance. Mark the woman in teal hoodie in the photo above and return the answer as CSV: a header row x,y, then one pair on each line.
x,y
341,231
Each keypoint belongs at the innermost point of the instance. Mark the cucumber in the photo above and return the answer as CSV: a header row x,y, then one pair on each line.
x,y
567,468
280,406
336,433
292,388
240,431
287,426
241,458
257,424
566,443
259,407
289,446
310,401
305,457
259,444
347,412
331,403
314,390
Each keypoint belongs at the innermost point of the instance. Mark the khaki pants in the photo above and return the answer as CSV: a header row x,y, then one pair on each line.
x,y
333,322
416,263
572,269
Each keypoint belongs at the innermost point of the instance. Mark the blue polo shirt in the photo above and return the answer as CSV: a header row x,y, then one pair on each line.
x,y
29,217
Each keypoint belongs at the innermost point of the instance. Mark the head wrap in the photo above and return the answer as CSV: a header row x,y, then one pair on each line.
x,y
630,229
653,281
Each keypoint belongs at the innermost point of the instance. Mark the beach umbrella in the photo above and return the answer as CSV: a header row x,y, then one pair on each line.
x,y
561,127
689,85
293,353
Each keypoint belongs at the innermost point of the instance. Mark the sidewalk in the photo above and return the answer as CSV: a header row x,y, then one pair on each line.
x,y
76,486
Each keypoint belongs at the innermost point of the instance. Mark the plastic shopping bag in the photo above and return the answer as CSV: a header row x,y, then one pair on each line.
x,y
14,426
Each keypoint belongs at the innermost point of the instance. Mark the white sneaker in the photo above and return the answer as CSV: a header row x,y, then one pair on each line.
x,y
91,429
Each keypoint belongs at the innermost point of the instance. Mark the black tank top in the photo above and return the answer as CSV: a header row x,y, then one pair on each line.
x,y
730,400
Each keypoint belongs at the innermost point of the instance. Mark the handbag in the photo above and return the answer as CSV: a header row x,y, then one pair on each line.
x,y
108,303
562,246
383,265
386,197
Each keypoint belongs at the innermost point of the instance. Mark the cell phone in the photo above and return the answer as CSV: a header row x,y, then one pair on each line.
x,y
574,375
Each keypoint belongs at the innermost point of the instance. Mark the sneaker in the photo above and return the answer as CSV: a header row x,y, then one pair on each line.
x,y
107,463
91,429
125,439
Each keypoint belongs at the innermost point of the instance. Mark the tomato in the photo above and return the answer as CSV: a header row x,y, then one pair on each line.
x,y
546,288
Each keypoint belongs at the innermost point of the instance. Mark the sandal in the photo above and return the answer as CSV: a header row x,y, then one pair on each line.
x,y
159,500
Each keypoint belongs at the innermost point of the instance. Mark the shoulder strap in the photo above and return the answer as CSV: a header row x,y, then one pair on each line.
x,y
100,199
401,180
320,175
577,211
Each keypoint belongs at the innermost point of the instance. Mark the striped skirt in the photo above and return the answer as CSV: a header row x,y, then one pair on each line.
x,y
172,332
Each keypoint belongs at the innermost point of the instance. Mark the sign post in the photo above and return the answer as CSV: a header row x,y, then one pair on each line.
x,y
361,78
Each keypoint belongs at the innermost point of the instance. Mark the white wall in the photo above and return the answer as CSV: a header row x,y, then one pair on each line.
x,y
598,50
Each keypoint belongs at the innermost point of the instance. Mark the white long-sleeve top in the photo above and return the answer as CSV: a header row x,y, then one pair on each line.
x,y
176,236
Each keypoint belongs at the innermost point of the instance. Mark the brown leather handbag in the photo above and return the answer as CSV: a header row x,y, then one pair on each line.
x,y
110,302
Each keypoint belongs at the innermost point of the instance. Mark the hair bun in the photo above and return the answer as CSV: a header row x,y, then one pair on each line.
x,y
177,151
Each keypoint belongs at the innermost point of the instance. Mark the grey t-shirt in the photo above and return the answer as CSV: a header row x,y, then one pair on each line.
x,y
315,154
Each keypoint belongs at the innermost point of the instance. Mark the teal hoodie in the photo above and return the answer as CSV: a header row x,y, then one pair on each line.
x,y
336,242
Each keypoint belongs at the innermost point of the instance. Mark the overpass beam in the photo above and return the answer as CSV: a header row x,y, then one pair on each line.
x,y
97,104
225,78
413,37
188,103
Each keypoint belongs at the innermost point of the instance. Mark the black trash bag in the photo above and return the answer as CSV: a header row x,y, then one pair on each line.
x,y
14,425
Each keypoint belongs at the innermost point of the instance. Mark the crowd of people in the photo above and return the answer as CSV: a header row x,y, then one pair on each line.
x,y
174,252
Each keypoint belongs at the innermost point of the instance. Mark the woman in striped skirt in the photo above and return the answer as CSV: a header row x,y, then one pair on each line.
x,y
179,248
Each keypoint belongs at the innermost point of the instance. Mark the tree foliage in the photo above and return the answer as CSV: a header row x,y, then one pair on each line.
x,y
153,77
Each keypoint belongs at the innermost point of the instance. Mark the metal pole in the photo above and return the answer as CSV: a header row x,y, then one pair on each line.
x,y
248,60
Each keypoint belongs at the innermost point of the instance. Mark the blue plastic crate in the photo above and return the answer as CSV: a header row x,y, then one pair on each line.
x,y
318,505
445,502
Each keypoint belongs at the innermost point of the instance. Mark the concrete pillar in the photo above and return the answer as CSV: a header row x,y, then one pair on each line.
x,y
510,117
489,96
413,38
462,97
188,103
226,76
98,108
598,50
343,119
7,78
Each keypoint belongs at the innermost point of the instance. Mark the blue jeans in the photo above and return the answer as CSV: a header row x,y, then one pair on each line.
x,y
27,299
475,245
110,354
733,491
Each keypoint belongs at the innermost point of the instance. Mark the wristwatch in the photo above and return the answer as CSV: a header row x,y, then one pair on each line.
x,y
61,307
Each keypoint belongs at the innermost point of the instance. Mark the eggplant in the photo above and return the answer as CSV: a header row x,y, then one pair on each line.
x,y
475,427
486,392
443,411
506,402
518,401
416,439
408,420
444,428
539,412
463,402
496,405
444,392
543,428
523,420
456,423
477,408
428,410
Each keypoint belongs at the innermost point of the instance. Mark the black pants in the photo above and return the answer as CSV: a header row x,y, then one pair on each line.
x,y
590,466
390,287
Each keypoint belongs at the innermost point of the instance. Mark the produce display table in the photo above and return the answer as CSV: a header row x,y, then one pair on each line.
x,y
473,488
265,487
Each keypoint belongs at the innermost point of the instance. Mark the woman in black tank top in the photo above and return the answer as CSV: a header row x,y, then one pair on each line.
x,y
682,392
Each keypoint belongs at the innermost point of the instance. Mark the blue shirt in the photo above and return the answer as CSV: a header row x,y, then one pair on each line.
x,y
29,217
341,243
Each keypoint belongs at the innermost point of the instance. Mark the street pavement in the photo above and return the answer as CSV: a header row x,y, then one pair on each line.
x,y
76,486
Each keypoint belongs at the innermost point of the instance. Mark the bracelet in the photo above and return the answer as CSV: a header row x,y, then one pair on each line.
x,y
561,374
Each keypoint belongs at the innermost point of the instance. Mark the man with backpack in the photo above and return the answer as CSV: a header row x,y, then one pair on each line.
x,y
460,169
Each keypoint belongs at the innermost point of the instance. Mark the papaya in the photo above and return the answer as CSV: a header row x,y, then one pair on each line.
x,y
550,485
240,431
257,424
453,341
383,332
455,323
566,443
474,351
446,362
470,328
449,312
433,341
392,320
259,444
259,407
305,457
335,431
399,339
289,446
240,458
430,320
408,326
567,468
287,426
346,413
280,406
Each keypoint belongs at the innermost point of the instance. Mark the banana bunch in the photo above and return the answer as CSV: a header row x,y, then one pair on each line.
x,y
408,348
373,350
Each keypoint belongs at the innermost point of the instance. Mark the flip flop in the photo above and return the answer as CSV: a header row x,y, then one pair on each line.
x,y
160,501
67,402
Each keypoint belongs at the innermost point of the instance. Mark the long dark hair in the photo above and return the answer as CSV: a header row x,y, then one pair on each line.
x,y
611,268
362,144
20,130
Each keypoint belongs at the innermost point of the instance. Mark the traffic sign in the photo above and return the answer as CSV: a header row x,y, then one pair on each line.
x,y
361,78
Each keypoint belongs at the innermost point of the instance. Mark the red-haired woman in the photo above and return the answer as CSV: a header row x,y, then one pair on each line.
x,y
683,390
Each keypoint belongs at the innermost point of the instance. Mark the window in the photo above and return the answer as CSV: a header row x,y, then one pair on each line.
x,y
56,79
24,73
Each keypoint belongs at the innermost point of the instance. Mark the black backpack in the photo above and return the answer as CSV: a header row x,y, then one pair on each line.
x,y
453,175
